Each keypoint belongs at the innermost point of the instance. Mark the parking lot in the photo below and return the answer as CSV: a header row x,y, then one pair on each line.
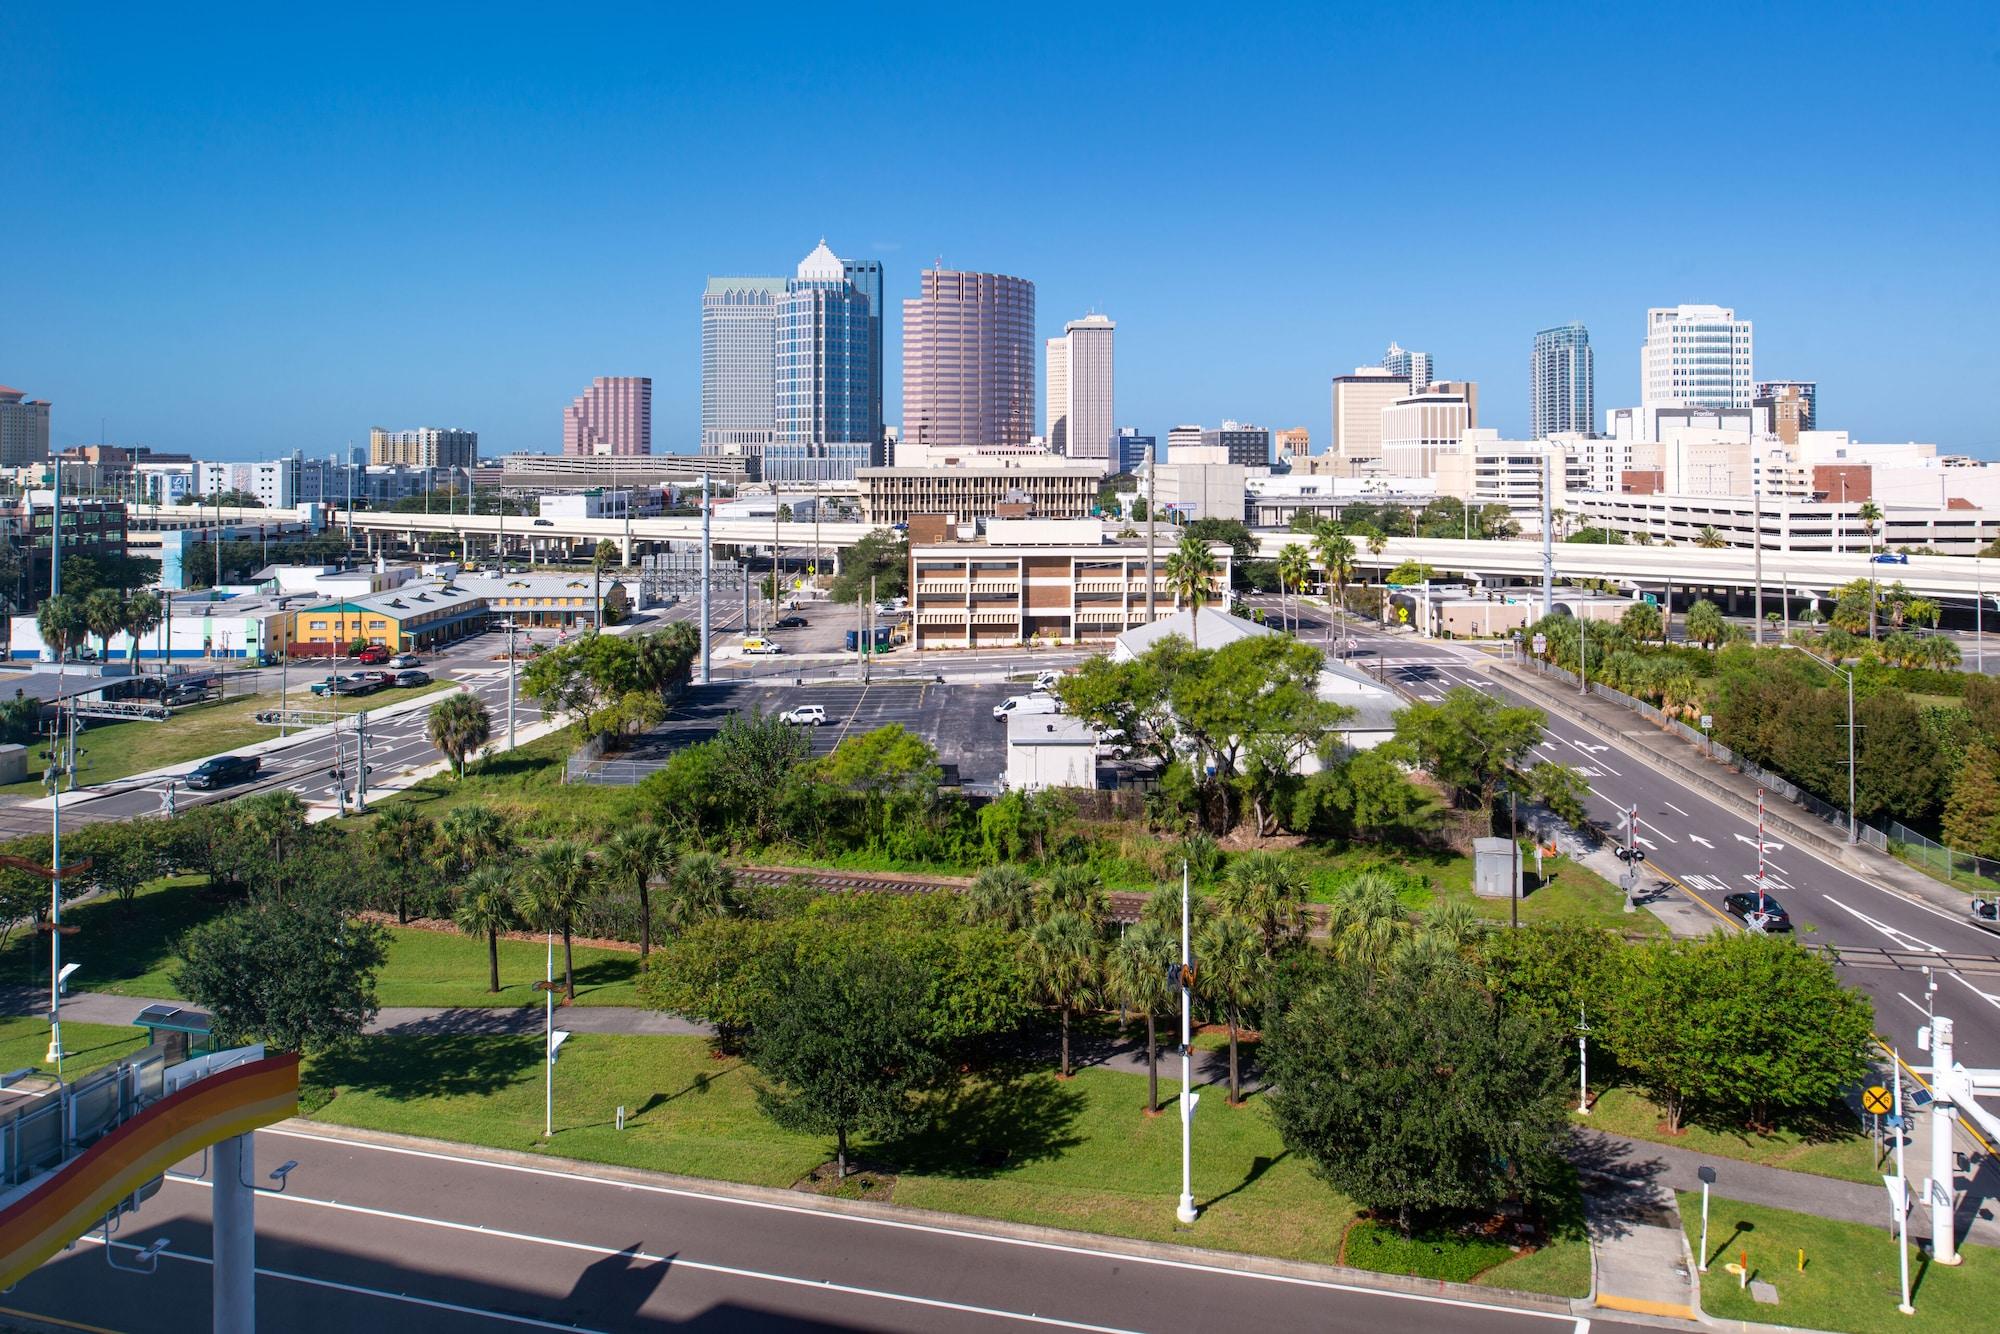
x,y
957,719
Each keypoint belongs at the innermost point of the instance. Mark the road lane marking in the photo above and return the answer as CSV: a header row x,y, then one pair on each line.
x,y
1986,996
1901,938
1579,1324
1914,1006
1697,838
1677,810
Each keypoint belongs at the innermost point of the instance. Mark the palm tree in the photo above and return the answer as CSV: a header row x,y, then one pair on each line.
x,y
403,838
633,856
701,887
1136,977
468,836
1072,889
277,820
1231,972
142,617
61,622
1002,895
104,616
552,893
1336,556
1870,515
486,908
1709,539
1061,954
1189,573
1364,919
458,725
1294,568
1263,890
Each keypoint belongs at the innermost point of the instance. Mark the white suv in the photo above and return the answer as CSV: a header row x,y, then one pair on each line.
x,y
805,715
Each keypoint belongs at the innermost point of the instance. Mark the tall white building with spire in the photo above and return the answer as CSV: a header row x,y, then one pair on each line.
x,y
1082,417
1696,357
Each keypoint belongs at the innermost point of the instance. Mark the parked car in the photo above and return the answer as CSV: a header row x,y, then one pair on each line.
x,y
374,655
189,692
405,660
410,676
1758,910
222,770
757,645
1026,705
1048,681
805,715
789,623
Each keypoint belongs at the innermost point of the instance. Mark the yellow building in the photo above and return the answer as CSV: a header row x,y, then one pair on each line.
x,y
414,616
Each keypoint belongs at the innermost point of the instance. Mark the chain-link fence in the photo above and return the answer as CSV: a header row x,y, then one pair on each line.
x,y
1947,864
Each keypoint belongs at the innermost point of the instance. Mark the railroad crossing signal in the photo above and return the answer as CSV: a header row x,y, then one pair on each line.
x,y
1631,854
1876,1099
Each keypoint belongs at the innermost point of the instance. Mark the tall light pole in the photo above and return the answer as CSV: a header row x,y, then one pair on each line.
x,y
703,678
1853,825
1186,1211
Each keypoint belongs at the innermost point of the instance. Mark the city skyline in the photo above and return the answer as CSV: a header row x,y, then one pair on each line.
x,y
269,302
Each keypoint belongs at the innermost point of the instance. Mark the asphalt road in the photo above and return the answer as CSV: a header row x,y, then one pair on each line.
x,y
367,1237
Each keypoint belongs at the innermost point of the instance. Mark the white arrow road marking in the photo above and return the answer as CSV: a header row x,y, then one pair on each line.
x,y
1768,846
1588,772
1697,838
1986,996
1677,810
1901,938
1645,842
1708,884
1769,880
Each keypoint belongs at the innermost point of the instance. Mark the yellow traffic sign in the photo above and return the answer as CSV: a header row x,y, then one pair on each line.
x,y
1876,1099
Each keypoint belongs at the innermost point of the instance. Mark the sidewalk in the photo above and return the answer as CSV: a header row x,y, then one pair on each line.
x,y
1684,763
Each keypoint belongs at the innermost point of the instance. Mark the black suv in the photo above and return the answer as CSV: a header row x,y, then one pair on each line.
x,y
223,770
1748,905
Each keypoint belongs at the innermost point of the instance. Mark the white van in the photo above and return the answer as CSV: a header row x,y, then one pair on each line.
x,y
1027,705
755,645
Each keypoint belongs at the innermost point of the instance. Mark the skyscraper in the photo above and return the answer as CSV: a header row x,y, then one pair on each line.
x,y
739,342
1805,391
24,429
1695,357
1562,392
969,361
1080,413
613,416
1358,400
828,375
1412,366
425,447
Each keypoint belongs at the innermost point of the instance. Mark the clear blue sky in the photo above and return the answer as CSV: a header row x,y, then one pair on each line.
x,y
244,233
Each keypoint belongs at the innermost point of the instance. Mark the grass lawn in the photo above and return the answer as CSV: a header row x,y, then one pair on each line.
x,y
124,948
1572,892
433,968
1836,1151
525,787
1850,1281
1026,1147
119,750
24,1041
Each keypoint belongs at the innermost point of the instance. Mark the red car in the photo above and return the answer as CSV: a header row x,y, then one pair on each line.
x,y
374,655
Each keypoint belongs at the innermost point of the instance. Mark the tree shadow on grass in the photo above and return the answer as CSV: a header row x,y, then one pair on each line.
x,y
980,1128
1811,1125
1258,1167
399,1068
600,973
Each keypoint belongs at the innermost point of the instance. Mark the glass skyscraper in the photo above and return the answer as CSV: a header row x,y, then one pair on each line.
x,y
1562,391
828,375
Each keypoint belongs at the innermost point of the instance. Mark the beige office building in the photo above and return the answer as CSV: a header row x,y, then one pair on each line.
x,y
24,429
1358,401
1416,429
425,447
979,489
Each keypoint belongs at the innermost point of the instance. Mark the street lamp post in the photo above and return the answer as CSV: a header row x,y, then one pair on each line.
x,y
1853,825
1582,1063
1186,1211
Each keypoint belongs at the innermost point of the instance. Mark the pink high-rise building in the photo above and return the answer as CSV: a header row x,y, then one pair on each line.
x,y
613,416
969,361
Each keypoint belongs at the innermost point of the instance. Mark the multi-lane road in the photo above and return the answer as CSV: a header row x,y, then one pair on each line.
x,y
405,1238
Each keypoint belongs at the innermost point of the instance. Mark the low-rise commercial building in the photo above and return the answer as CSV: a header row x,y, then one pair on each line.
x,y
978,489
425,612
1787,524
1054,581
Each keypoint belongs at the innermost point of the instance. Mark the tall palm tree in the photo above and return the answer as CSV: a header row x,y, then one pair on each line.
x,y
701,887
104,615
468,836
1709,539
1061,954
1231,974
1263,890
457,725
1870,515
1189,573
552,892
1135,975
485,907
1002,895
142,617
632,857
277,820
61,623
1073,889
403,839
1294,568
1335,551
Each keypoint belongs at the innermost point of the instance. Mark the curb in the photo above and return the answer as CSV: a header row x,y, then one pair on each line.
x,y
1026,1234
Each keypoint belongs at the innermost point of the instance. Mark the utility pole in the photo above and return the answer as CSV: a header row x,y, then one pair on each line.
x,y
1548,536
868,642
1902,1192
705,589
1152,507
55,1052
1757,553
361,763
1186,1211
510,681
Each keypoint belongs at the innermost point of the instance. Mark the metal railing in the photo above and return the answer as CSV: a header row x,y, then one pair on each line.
x,y
1945,862
36,1136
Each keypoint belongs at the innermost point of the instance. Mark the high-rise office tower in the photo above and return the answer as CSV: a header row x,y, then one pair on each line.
x,y
828,399
425,447
1412,366
1135,451
1805,391
1080,420
1247,446
1182,438
24,429
969,361
1561,389
1358,400
613,416
866,276
739,358
1695,357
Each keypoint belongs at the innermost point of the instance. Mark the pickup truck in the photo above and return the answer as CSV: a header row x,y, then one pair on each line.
x,y
358,683
223,770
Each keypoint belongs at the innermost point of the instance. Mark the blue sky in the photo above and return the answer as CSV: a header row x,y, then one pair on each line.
x,y
243,232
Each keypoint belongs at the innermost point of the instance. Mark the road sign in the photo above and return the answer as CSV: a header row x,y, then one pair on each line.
x,y
1899,1195
1652,599
1541,645
1876,1099
1707,721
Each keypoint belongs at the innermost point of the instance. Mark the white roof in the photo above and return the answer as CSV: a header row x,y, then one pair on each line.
x,y
1048,729
822,265
1217,628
